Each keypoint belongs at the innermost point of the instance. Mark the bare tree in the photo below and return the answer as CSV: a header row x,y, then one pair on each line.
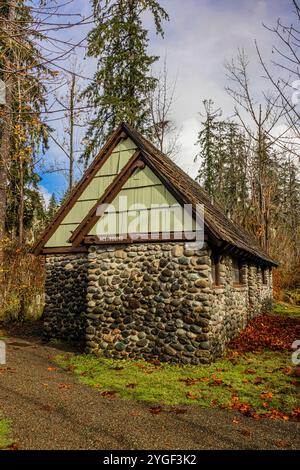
x,y
7,28
163,130
286,82
259,118
71,140
32,50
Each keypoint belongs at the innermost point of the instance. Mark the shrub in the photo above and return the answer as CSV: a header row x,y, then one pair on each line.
x,y
21,283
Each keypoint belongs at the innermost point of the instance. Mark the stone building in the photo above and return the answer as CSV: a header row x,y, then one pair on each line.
x,y
158,289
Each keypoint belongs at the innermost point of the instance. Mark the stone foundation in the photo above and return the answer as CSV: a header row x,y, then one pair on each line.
x,y
151,301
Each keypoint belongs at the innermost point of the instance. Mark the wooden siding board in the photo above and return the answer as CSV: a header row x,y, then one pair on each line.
x,y
61,235
141,178
144,188
126,144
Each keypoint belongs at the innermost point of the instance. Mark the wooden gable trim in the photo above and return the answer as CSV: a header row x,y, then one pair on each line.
x,y
87,177
63,250
108,196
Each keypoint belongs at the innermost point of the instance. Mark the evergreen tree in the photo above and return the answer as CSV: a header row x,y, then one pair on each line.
x,y
223,155
123,80
52,208
22,132
209,142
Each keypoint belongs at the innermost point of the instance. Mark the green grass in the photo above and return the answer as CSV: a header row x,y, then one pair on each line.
x,y
287,309
5,440
164,383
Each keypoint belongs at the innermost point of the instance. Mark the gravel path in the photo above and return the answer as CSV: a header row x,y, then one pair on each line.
x,y
50,409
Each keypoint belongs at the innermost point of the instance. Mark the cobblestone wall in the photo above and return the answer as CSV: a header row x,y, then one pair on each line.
x,y
151,300
65,308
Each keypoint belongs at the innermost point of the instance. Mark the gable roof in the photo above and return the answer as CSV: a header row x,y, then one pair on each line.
x,y
223,231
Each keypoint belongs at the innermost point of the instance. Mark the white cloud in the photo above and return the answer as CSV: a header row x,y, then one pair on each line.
x,y
45,194
187,140
200,37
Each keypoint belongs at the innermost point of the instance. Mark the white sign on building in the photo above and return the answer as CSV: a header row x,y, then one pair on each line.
x,y
2,353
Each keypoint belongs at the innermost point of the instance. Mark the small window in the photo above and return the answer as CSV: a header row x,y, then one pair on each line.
x,y
236,271
265,275
215,272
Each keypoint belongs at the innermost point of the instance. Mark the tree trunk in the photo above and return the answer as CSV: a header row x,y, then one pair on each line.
x,y
21,208
7,116
71,143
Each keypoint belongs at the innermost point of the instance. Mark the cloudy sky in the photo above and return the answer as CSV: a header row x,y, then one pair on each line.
x,y
199,38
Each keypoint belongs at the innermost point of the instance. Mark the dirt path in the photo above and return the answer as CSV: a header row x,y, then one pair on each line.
x,y
50,409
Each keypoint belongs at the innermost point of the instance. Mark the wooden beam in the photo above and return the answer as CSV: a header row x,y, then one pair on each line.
x,y
63,250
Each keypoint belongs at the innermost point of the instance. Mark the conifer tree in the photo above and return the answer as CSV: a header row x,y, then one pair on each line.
x,y
123,78
52,208
209,142
23,134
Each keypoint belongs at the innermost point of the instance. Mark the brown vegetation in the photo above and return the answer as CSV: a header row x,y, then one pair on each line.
x,y
21,284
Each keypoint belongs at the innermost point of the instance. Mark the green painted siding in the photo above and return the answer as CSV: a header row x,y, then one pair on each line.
x,y
60,237
131,209
118,159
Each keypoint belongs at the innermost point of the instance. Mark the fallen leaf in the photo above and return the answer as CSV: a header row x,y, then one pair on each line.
x,y
178,411
155,410
266,395
245,432
217,382
259,380
108,393
189,381
250,371
135,413
191,396
65,386
282,444
296,413
155,362
266,332
288,370
13,446
51,369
